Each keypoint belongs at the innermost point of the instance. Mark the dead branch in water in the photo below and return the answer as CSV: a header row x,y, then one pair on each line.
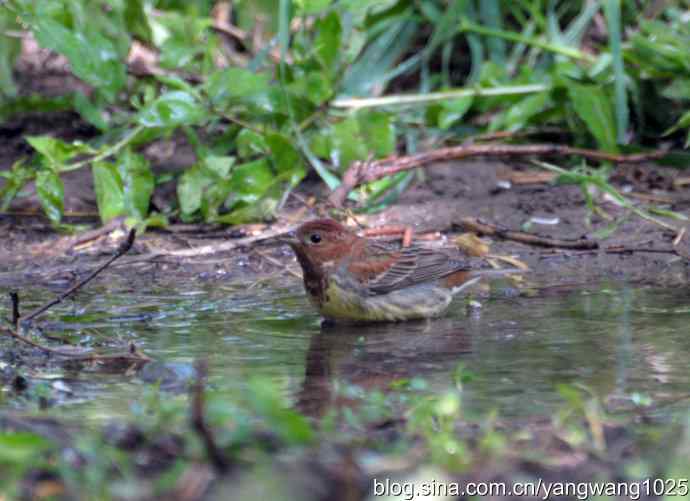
x,y
484,228
133,355
364,172
124,248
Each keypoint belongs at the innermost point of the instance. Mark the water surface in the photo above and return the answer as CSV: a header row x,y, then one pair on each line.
x,y
624,344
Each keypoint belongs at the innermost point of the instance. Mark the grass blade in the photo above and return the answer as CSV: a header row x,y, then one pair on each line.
x,y
612,10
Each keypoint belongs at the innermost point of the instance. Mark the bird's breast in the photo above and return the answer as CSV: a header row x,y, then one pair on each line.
x,y
342,300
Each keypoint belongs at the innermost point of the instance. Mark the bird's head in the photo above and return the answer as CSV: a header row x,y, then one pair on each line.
x,y
321,241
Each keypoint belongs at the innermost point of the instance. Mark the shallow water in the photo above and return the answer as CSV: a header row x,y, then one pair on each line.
x,y
624,344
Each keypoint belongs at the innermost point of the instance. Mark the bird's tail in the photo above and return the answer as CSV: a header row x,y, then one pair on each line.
x,y
476,275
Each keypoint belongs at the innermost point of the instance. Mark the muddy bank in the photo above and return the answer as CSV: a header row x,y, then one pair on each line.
x,y
637,250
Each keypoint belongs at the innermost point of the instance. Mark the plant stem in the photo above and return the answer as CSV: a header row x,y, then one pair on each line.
x,y
517,37
108,151
406,99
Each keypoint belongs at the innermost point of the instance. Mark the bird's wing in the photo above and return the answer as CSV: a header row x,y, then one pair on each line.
x,y
413,265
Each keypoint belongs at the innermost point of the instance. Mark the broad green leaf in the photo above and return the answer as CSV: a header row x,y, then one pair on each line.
x,y
312,6
19,447
56,152
250,143
377,131
89,111
269,404
137,20
285,156
15,179
314,86
237,85
219,165
346,142
453,110
327,42
205,186
250,180
173,109
190,189
137,183
593,106
520,113
51,194
110,195
92,57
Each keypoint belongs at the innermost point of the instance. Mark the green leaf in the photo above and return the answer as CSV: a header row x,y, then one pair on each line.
x,y
51,194
347,143
250,143
312,6
15,179
267,401
519,114
250,180
190,189
453,110
285,156
89,111
232,86
55,152
173,109
377,130
205,186
137,183
327,41
682,123
17,448
593,106
92,57
110,196
137,20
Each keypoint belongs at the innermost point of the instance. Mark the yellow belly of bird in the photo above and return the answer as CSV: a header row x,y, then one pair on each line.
x,y
343,303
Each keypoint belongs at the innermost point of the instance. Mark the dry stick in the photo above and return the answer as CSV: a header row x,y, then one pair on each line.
x,y
14,298
484,228
364,172
218,459
124,248
133,355
205,250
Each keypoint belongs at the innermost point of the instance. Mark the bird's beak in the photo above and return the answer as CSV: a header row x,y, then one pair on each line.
x,y
288,238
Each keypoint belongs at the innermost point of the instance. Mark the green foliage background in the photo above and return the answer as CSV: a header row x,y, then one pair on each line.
x,y
333,82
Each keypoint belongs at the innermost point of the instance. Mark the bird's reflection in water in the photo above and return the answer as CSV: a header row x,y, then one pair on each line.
x,y
373,356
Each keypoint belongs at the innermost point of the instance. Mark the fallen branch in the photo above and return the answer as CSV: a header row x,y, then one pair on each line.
x,y
204,250
124,248
484,228
215,455
14,299
131,356
364,172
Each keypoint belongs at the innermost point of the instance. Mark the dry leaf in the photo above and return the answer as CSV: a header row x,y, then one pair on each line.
x,y
472,245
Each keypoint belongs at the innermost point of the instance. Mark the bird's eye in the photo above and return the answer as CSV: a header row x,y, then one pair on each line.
x,y
315,238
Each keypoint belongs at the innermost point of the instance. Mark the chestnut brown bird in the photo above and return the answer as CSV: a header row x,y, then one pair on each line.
x,y
353,278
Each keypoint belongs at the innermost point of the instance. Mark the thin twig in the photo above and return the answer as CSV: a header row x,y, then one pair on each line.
x,y
124,248
364,172
484,228
215,455
14,299
205,250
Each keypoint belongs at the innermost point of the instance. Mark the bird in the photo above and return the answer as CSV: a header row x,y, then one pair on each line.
x,y
350,278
